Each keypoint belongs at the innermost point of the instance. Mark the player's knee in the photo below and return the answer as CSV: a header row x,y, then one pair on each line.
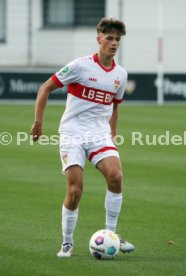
x,y
115,181
75,194
115,178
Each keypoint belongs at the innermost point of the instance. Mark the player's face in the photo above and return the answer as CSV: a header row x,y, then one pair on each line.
x,y
109,43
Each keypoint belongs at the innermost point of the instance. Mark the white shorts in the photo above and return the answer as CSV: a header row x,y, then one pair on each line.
x,y
73,152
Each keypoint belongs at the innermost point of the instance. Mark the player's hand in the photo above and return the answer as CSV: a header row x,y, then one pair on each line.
x,y
36,130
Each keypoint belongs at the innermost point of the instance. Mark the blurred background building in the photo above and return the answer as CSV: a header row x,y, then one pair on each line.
x,y
40,35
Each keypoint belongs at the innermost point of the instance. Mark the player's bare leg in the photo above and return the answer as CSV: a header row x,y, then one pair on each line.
x,y
74,176
111,168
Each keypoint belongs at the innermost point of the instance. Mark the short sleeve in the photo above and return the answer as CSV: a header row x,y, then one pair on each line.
x,y
67,75
119,95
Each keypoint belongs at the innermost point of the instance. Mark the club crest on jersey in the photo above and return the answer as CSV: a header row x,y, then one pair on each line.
x,y
117,84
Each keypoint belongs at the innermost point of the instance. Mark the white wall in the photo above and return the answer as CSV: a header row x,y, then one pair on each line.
x,y
59,47
14,51
175,35
139,47
56,47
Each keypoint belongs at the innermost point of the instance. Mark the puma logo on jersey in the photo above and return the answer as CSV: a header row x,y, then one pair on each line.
x,y
93,79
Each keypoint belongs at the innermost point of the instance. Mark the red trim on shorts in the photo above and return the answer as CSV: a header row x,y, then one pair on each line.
x,y
92,154
57,82
95,57
91,94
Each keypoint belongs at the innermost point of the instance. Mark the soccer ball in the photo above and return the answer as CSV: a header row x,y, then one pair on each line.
x,y
104,244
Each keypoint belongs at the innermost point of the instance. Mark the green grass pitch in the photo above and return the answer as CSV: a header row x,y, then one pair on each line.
x,y
154,210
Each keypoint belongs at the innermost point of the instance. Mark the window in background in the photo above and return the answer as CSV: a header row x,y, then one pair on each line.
x,y
57,13
2,21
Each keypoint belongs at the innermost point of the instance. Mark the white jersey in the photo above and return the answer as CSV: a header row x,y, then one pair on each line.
x,y
92,89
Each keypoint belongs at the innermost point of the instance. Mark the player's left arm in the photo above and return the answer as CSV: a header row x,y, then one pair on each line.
x,y
116,101
114,120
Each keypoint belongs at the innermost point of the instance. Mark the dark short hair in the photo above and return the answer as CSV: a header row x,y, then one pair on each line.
x,y
106,25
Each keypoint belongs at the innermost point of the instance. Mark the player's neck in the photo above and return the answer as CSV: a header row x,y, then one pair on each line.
x,y
105,61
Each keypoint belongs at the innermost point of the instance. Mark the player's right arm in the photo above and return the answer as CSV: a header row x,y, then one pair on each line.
x,y
41,101
66,75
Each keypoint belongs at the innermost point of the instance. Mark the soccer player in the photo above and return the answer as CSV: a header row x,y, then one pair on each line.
x,y
96,85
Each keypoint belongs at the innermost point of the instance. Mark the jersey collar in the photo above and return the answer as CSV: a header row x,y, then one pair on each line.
x,y
95,57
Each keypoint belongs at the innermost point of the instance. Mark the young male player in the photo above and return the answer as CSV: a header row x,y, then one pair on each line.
x,y
96,86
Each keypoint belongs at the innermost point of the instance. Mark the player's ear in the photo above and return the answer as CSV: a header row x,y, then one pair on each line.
x,y
98,39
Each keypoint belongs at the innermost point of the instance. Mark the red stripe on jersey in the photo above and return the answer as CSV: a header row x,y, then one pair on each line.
x,y
95,57
91,94
92,154
57,82
117,101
